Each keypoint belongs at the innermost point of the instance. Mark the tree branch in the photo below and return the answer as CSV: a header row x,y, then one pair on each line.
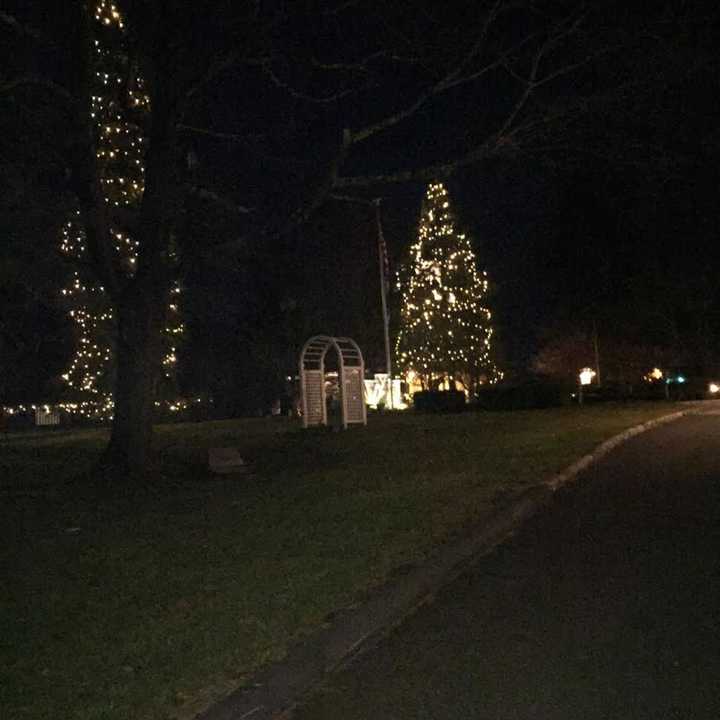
x,y
424,174
566,28
357,66
351,199
450,80
232,137
250,142
299,95
500,61
20,28
476,48
37,81
456,76
216,67
495,143
205,194
527,91
281,223
342,7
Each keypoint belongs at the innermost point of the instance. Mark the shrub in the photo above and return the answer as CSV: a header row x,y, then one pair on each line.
x,y
439,401
528,395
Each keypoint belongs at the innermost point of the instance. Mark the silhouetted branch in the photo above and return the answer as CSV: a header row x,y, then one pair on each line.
x,y
227,204
18,27
42,83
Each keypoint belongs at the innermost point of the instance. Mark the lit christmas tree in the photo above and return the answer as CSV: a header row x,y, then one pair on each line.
x,y
445,330
120,112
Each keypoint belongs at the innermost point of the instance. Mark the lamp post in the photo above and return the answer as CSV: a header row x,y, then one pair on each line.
x,y
585,377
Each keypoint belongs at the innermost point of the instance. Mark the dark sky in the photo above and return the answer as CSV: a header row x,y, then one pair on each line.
x,y
608,214
617,205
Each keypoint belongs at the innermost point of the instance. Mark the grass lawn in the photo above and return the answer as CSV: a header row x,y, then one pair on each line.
x,y
148,604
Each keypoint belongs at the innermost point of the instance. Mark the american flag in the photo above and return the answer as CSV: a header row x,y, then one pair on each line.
x,y
382,251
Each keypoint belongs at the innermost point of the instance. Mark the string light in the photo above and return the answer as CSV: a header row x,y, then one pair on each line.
x,y
445,325
117,107
100,411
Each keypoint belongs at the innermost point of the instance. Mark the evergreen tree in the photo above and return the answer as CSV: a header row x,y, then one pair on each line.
x,y
120,112
445,330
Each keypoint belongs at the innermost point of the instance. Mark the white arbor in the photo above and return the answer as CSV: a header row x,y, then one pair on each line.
x,y
351,371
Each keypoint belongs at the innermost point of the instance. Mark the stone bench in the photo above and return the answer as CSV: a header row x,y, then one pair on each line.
x,y
225,461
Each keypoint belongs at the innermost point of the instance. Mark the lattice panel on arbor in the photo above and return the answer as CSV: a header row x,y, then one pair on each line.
x,y
314,398
353,395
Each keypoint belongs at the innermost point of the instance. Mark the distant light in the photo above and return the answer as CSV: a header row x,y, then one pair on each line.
x,y
714,388
586,376
681,378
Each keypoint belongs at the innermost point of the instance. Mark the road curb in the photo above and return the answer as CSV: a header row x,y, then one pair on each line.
x,y
275,691
570,473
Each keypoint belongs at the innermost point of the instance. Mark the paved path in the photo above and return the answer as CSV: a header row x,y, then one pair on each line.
x,y
607,606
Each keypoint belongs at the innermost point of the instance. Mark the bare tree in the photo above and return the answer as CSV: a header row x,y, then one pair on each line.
x,y
317,91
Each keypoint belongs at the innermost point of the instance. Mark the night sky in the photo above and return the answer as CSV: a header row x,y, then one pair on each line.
x,y
599,220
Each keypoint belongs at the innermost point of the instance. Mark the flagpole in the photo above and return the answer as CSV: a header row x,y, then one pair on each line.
x,y
384,279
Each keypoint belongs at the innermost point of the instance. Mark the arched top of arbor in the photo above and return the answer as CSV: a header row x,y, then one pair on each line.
x,y
351,372
315,349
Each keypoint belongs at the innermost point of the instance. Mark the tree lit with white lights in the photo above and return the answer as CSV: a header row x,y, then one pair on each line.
x,y
445,326
120,111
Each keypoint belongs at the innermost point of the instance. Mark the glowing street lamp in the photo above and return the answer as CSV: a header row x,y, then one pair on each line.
x,y
586,376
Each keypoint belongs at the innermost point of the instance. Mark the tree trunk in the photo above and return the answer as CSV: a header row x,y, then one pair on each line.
x,y
142,307
138,356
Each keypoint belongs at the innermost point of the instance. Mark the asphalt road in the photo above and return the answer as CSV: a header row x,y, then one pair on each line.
x,y
606,606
